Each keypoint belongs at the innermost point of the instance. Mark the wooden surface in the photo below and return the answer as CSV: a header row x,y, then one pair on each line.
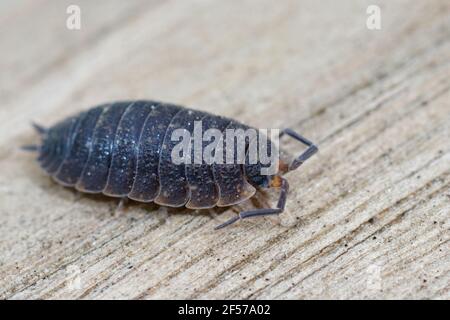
x,y
368,217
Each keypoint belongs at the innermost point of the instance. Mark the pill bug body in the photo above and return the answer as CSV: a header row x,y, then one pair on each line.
x,y
123,149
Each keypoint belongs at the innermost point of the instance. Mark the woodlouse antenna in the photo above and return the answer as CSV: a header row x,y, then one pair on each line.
x,y
284,189
312,148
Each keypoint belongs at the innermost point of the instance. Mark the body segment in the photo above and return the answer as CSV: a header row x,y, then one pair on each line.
x,y
203,186
146,182
95,172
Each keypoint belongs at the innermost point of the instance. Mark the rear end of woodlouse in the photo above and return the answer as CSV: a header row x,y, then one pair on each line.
x,y
125,149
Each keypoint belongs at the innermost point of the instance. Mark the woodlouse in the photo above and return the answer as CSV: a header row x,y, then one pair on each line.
x,y
122,149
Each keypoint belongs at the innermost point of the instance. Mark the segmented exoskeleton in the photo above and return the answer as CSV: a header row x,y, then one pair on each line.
x,y
123,149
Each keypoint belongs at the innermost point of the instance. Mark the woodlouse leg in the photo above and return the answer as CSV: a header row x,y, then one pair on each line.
x,y
284,187
77,195
120,206
312,148
163,215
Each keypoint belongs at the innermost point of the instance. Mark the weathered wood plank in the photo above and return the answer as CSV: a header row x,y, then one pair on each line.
x,y
368,217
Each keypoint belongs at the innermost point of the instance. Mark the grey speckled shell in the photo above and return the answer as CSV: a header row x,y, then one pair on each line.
x,y
123,149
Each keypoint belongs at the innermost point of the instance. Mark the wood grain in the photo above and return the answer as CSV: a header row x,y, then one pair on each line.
x,y
368,217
